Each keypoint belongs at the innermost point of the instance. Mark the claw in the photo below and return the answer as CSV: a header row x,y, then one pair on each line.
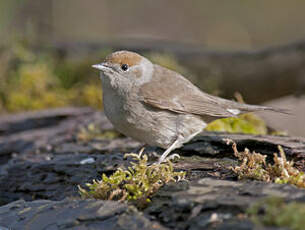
x,y
171,157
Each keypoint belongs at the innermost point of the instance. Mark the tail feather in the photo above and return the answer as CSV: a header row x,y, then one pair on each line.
x,y
254,108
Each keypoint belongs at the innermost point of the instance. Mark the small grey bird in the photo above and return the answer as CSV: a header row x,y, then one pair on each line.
x,y
158,106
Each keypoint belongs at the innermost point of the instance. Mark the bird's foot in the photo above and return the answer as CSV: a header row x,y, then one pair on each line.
x,y
155,154
169,158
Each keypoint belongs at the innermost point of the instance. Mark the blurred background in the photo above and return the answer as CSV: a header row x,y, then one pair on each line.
x,y
252,51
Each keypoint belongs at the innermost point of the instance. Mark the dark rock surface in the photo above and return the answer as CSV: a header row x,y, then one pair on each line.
x,y
73,214
54,178
213,203
43,162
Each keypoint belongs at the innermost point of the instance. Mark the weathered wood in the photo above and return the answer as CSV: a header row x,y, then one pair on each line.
x,y
49,164
14,123
215,144
29,131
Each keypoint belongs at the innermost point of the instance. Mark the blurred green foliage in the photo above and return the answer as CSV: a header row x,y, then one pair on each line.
x,y
44,79
37,79
93,131
274,211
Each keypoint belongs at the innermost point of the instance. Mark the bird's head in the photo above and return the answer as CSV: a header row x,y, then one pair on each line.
x,y
125,66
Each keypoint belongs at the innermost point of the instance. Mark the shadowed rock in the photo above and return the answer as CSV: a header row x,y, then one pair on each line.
x,y
73,214
47,162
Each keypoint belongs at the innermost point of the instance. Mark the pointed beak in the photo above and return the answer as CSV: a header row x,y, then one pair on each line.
x,y
100,66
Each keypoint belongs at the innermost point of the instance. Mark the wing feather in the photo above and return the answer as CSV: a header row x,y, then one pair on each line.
x,y
177,94
171,91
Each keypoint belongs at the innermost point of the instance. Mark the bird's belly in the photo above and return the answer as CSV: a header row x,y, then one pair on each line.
x,y
151,127
155,127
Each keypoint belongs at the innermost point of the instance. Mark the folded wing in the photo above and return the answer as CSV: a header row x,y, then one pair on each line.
x,y
171,91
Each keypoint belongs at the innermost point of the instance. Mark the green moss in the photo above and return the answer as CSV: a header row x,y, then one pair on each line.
x,y
274,211
246,123
136,184
33,87
253,166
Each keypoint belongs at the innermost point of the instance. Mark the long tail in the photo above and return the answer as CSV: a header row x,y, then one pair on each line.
x,y
244,108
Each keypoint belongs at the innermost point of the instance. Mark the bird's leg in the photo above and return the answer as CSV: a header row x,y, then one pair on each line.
x,y
187,127
171,148
178,142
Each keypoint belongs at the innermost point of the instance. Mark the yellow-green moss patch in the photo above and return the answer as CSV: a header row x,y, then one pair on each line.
x,y
253,166
136,184
247,123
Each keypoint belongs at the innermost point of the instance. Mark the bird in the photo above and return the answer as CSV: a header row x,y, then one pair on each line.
x,y
158,106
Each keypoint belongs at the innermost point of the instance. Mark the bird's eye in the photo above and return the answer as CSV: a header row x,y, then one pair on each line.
x,y
124,67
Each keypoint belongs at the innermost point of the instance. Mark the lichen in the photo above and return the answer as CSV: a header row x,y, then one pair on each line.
x,y
274,211
135,184
254,166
